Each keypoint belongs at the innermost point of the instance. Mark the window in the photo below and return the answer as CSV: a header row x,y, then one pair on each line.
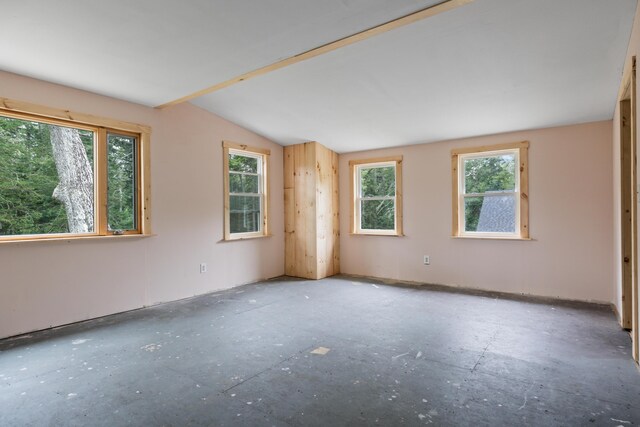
x,y
490,191
245,191
122,182
56,175
376,202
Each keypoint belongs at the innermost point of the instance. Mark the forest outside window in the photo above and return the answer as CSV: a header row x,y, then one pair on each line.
x,y
376,202
246,191
68,179
491,191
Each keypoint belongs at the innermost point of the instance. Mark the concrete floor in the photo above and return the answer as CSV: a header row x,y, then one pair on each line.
x,y
397,355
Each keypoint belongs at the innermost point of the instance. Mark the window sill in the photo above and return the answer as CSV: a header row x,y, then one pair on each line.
x,y
235,239
76,238
492,238
377,234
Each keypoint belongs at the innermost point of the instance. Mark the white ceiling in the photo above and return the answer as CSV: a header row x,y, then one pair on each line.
x,y
491,66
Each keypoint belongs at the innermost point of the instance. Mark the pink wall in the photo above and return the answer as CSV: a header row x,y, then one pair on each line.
x,y
46,284
632,50
571,218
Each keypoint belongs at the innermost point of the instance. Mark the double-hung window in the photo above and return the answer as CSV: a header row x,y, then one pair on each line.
x,y
246,188
491,191
376,188
69,175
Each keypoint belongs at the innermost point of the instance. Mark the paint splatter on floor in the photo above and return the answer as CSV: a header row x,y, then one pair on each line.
x,y
321,351
151,347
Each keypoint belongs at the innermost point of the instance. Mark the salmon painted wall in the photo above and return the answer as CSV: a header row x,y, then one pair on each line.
x,y
46,284
571,218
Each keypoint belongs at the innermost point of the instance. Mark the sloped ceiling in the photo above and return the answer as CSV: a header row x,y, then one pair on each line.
x,y
487,67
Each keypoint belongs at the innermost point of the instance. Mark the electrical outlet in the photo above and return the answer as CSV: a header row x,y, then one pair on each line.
x,y
203,267
427,260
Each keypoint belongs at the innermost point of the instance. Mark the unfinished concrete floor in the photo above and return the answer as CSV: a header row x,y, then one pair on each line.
x,y
396,356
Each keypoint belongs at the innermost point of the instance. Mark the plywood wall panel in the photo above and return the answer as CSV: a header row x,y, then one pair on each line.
x,y
335,201
311,211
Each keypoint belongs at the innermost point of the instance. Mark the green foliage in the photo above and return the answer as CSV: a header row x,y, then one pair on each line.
x,y
485,174
377,215
28,177
239,163
376,182
244,215
240,183
121,195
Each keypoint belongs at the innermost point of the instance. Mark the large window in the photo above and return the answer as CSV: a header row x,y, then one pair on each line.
x,y
376,188
491,191
68,178
246,196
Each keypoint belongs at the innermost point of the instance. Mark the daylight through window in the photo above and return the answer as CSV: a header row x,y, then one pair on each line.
x,y
122,182
490,191
245,191
55,176
377,201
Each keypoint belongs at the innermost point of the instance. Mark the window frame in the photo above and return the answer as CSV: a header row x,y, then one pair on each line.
x,y
520,150
100,127
355,167
263,156
137,177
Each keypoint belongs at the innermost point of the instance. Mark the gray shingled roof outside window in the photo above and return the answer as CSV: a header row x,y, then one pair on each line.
x,y
498,214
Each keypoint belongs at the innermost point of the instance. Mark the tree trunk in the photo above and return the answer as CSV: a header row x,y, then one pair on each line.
x,y
75,178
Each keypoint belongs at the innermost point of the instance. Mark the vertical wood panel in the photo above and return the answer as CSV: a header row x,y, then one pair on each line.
x,y
311,211
399,205
310,248
145,175
336,213
289,212
300,211
455,215
101,202
524,192
323,209
626,189
225,177
634,215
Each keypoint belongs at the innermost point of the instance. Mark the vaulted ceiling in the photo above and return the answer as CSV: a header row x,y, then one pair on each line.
x,y
486,67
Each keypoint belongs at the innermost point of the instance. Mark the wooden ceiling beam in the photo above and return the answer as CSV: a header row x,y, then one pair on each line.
x,y
321,50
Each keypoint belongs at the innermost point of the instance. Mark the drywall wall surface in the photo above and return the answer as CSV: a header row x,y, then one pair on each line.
x,y
46,284
569,256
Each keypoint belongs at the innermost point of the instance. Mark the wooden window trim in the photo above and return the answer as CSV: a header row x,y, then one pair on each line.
x,y
101,127
353,206
523,206
264,154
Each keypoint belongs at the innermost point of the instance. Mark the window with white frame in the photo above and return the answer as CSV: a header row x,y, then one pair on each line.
x,y
490,191
246,197
377,196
